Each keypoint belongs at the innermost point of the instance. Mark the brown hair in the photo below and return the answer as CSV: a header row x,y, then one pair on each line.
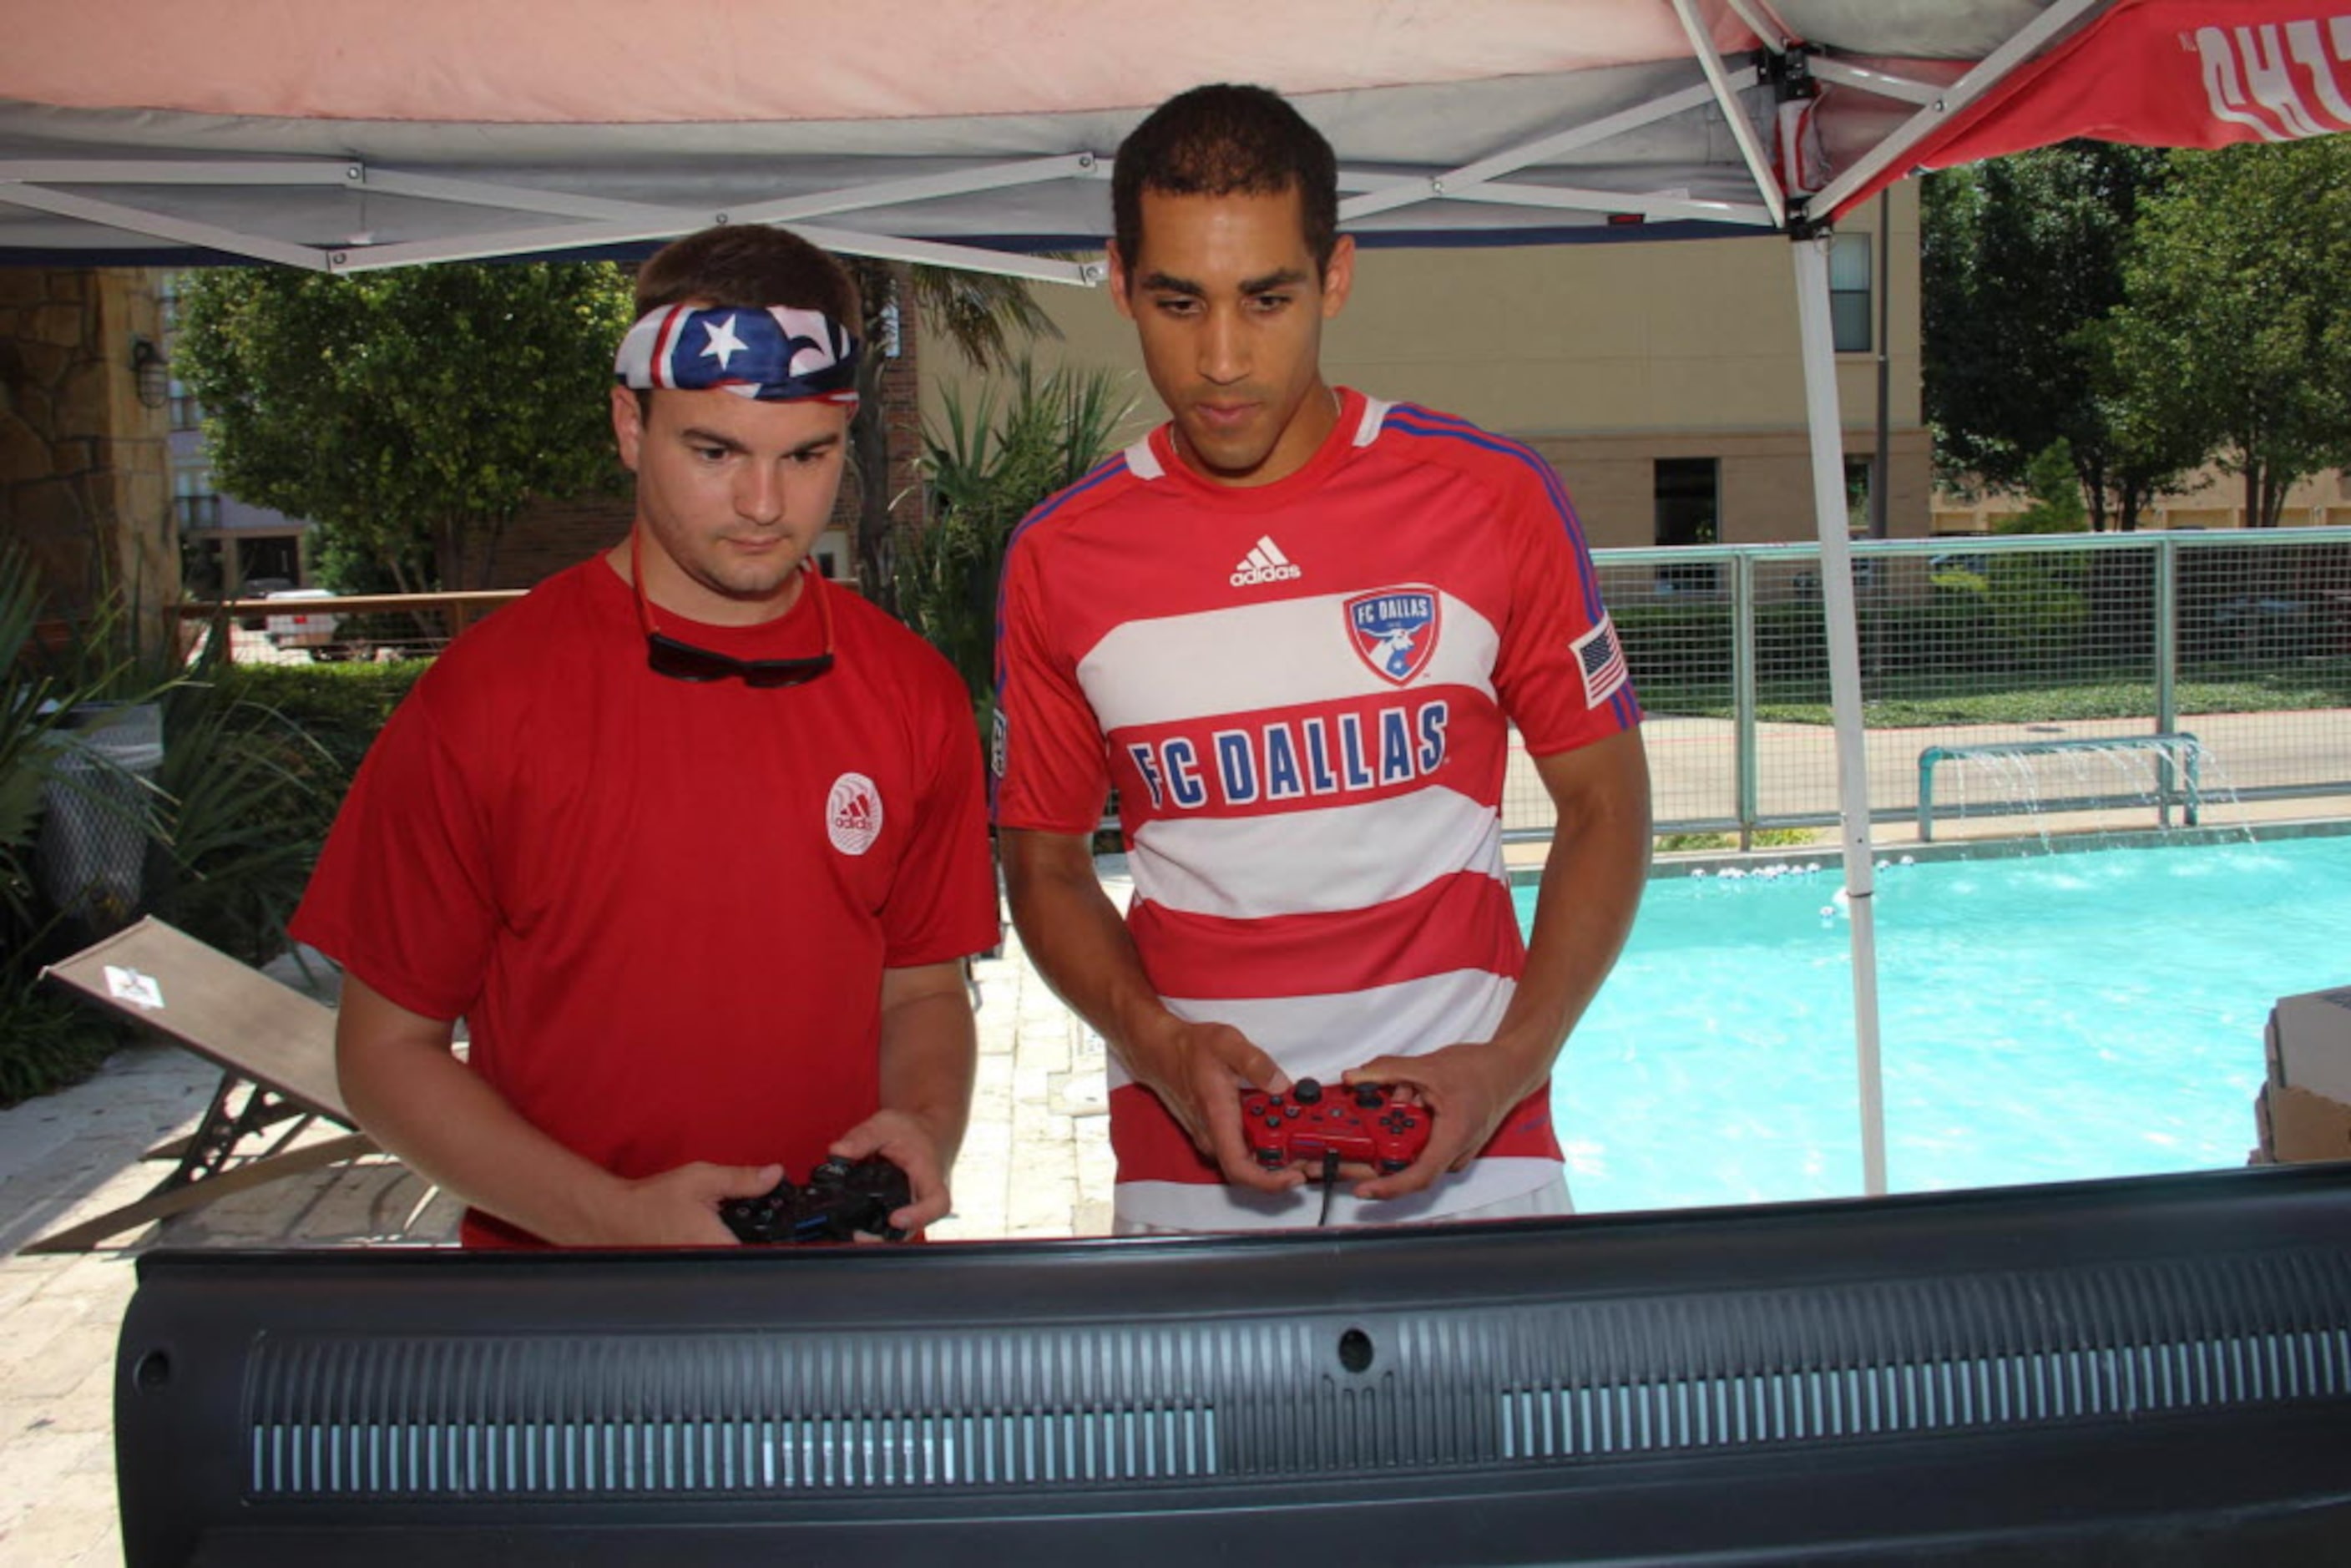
x,y
749,265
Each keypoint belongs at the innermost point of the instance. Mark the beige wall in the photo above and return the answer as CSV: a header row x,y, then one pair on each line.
x,y
1605,357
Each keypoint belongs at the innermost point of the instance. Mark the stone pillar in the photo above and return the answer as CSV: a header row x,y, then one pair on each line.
x,y
85,467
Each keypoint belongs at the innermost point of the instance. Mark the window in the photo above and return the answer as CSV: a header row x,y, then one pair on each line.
x,y
1688,503
186,413
831,555
193,500
1849,293
1857,489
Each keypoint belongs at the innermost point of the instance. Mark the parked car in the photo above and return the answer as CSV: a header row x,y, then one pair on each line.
x,y
319,632
1865,577
2317,622
261,588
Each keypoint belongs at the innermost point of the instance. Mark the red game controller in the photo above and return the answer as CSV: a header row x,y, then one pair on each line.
x,y
1359,1123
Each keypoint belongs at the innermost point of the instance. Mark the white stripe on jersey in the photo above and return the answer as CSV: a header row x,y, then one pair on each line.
x,y
1323,1037
1175,668
1375,411
1182,1206
1144,463
1307,862
1272,550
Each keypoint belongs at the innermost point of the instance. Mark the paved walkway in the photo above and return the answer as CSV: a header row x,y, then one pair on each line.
x,y
1036,1163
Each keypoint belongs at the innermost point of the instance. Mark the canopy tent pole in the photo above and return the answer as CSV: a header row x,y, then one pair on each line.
x,y
1827,429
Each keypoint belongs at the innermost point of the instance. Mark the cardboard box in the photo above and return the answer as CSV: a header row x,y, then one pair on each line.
x,y
2309,1042
2297,1125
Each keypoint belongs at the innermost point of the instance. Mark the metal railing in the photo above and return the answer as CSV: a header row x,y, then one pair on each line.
x,y
333,630
1966,645
2243,637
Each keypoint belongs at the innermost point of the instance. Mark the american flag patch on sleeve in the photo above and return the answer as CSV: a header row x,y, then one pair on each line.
x,y
1602,662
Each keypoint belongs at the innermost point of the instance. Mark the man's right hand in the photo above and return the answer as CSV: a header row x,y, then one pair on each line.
x,y
1199,1072
678,1207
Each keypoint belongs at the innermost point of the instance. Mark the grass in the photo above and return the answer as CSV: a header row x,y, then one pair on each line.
x,y
1764,839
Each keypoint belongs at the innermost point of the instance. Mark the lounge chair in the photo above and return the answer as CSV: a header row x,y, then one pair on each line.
x,y
276,1049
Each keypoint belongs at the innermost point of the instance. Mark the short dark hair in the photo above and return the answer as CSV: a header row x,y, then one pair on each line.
x,y
1224,140
749,265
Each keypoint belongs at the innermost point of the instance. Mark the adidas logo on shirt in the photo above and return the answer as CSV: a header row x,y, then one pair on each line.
x,y
1264,563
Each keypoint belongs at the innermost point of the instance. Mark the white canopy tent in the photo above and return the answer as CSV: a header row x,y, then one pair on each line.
x,y
954,133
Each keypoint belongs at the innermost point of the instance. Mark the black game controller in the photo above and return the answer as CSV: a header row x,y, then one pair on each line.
x,y
1358,1122
840,1202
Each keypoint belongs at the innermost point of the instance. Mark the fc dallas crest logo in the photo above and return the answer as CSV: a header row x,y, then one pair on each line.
x,y
1394,631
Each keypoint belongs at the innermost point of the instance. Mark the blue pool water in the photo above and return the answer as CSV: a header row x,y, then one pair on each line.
x,y
2044,1018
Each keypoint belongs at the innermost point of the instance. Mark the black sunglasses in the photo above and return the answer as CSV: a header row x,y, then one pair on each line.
x,y
665,655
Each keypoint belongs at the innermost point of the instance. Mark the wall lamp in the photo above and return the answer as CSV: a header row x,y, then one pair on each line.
x,y
151,371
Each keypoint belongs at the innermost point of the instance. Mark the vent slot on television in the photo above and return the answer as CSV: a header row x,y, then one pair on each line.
x,y
1915,1358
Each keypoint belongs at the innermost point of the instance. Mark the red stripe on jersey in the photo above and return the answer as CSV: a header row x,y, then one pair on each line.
x,y
1150,1144
1310,755
1462,921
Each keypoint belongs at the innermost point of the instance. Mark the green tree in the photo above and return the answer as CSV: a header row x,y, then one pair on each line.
x,y
2054,483
2023,261
411,412
2237,317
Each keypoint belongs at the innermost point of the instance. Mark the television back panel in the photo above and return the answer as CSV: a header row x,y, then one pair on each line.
x,y
2156,1367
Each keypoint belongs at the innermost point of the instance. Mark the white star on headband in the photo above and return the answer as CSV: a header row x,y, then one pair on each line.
x,y
724,344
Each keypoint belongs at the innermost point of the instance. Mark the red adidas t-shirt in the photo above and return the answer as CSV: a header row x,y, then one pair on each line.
x,y
1302,693
662,908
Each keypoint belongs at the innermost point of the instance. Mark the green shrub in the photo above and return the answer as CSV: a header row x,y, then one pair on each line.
x,y
48,1039
231,819
339,706
247,797
982,475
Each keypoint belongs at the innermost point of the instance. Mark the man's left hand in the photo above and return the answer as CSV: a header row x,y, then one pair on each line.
x,y
905,1142
1467,1089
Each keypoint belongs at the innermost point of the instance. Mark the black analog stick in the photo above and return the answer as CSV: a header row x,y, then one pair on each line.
x,y
1306,1092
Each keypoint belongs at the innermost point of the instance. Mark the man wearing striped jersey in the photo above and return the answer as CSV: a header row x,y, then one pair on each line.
x,y
1294,628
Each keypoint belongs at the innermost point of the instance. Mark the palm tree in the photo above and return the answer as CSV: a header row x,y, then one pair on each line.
x,y
981,314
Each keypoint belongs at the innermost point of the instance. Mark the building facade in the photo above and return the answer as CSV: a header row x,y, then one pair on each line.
x,y
1663,380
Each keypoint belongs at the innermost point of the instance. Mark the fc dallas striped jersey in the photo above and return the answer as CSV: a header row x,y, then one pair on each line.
x,y
1301,692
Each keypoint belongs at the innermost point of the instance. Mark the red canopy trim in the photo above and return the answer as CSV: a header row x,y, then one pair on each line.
x,y
2163,73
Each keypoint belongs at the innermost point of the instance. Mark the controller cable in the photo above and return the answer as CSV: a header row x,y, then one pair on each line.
x,y
1330,1183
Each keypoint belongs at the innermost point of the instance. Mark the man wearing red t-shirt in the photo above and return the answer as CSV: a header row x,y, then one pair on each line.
x,y
693,840
1294,628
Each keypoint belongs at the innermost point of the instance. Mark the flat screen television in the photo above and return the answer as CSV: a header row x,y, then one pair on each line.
x,y
2152,1371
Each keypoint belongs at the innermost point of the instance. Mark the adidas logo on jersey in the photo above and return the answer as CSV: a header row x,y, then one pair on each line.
x,y
1264,563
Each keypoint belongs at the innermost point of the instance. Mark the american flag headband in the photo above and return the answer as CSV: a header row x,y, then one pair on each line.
x,y
777,354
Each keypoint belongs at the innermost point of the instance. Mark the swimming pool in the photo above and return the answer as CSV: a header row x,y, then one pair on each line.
x,y
2043,1019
